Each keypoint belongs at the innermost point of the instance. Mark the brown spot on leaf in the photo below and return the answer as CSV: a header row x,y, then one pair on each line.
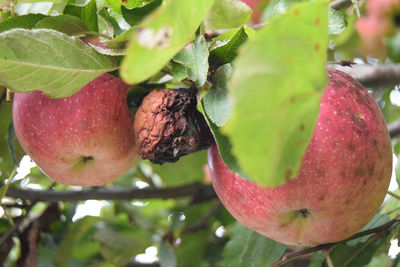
x,y
348,201
317,47
317,21
342,174
365,182
296,12
302,127
321,198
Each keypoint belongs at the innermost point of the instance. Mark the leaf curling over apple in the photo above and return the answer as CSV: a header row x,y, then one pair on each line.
x,y
86,139
342,181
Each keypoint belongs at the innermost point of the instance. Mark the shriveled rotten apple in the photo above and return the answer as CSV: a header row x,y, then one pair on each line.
x,y
86,139
343,178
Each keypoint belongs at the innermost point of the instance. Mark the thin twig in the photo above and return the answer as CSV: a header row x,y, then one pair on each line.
x,y
6,187
373,76
394,128
340,4
393,195
328,259
290,256
200,192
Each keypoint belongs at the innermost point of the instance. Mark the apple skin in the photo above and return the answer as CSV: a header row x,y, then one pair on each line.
x,y
342,181
86,139
255,5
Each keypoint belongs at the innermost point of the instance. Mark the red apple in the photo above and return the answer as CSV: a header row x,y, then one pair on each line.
x,y
86,139
343,178
255,5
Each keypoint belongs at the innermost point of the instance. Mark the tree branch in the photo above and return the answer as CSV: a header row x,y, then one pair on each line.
x,y
340,4
199,192
394,128
289,256
375,76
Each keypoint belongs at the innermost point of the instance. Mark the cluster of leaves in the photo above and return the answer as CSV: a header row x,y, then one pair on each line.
x,y
178,44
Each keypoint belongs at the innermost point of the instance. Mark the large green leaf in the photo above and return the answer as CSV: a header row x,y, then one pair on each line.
x,y
337,22
85,10
67,24
163,34
277,86
49,61
224,48
120,242
216,103
250,249
226,14
25,21
378,220
195,59
135,15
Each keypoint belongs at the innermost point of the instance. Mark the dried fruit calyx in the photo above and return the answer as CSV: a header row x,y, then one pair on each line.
x,y
168,126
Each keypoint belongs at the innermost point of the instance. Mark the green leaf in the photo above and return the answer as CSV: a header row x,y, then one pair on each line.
x,y
6,162
278,7
25,21
392,206
89,15
217,103
224,145
276,87
34,8
67,24
111,22
380,261
84,10
136,15
359,255
224,49
179,71
194,57
72,236
161,36
60,65
317,259
250,249
135,3
390,111
167,255
191,250
226,14
337,22
393,46
378,220
120,242
188,169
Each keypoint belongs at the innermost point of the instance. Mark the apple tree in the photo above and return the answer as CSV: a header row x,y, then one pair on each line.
x,y
140,132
